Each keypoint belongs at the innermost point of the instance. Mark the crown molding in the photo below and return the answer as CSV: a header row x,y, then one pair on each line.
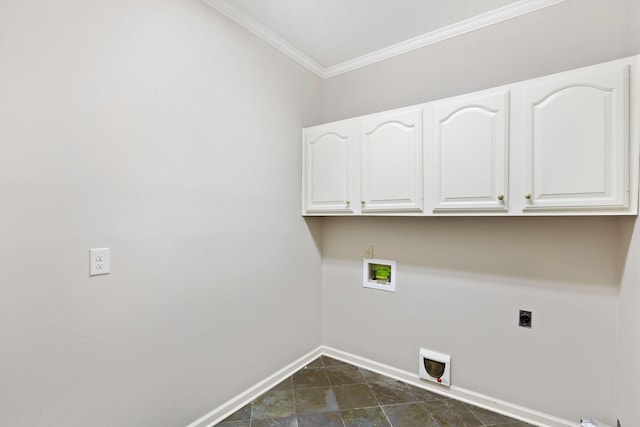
x,y
266,35
484,20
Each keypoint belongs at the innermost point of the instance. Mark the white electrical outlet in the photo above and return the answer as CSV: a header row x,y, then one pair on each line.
x,y
99,261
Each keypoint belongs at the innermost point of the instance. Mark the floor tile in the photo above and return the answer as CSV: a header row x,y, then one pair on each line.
x,y
290,421
273,404
330,361
354,396
513,424
423,395
392,393
316,363
331,393
344,374
451,413
408,415
284,385
241,414
310,377
243,423
374,377
327,419
488,417
365,417
309,400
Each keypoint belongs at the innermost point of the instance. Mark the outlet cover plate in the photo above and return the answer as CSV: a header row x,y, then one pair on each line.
x,y
99,261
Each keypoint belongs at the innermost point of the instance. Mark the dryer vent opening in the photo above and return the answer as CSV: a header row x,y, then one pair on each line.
x,y
435,367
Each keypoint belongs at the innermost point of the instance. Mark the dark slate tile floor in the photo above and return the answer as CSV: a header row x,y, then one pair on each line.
x,y
331,393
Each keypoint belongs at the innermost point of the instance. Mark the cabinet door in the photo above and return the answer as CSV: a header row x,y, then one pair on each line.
x,y
576,131
328,168
391,161
470,156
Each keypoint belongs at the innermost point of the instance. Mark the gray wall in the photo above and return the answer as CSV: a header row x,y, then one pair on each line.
x,y
461,281
628,373
163,131
571,34
460,285
634,24
627,384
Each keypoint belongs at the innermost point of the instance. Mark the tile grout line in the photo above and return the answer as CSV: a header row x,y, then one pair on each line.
x,y
376,398
334,395
295,400
333,391
365,382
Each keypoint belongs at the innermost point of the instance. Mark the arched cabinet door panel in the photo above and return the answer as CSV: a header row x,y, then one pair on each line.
x,y
391,162
328,168
564,144
470,137
577,140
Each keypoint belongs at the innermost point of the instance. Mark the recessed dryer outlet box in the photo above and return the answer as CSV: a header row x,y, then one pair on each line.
x,y
435,367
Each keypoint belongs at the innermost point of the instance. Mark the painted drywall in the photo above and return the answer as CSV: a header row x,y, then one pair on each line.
x,y
460,285
167,133
461,281
628,373
634,24
627,385
565,36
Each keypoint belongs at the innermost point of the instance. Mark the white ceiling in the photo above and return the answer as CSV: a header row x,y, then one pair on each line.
x,y
334,36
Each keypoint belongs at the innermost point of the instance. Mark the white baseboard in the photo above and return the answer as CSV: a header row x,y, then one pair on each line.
x,y
231,406
496,405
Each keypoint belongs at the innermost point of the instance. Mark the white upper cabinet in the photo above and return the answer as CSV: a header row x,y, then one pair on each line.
x,y
328,168
576,137
470,152
391,161
565,144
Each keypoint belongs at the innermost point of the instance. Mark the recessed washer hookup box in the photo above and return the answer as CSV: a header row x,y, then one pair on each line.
x,y
379,274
